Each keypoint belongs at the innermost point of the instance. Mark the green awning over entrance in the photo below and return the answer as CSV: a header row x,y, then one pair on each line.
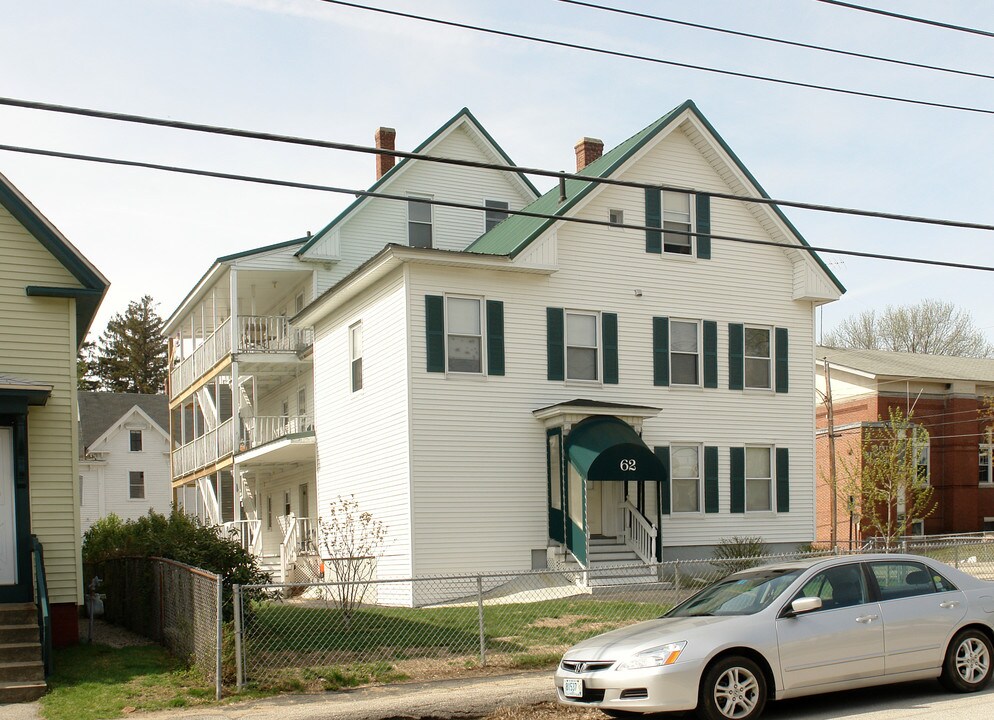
x,y
606,448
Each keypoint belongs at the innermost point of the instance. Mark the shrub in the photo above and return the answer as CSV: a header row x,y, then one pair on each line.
x,y
738,553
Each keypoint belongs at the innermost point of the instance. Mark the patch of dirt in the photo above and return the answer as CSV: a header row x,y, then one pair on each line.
x,y
559,622
106,634
545,711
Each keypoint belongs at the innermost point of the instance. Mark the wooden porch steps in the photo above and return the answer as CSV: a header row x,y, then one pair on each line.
x,y
22,672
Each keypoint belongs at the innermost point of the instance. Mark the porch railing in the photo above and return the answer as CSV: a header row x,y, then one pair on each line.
x,y
44,610
271,333
288,548
247,533
206,355
640,534
263,429
205,450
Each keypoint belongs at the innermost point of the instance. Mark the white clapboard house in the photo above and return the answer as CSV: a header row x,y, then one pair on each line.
x,y
508,394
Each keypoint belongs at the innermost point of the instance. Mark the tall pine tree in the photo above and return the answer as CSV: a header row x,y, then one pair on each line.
x,y
132,352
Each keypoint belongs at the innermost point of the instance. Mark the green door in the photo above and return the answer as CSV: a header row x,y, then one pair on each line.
x,y
557,489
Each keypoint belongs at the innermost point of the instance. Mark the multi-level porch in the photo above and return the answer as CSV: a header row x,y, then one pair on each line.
x,y
240,384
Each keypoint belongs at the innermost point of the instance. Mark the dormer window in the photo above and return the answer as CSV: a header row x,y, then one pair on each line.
x,y
496,213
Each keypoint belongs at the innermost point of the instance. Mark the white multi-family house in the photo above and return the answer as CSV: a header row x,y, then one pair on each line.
x,y
241,383
553,389
124,456
506,393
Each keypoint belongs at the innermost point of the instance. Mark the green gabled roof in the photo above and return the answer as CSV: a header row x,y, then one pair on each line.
x,y
517,231
392,172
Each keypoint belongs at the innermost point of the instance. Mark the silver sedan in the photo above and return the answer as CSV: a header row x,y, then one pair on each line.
x,y
788,630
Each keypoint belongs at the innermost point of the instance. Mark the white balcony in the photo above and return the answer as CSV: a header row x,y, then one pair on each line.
x,y
274,439
204,451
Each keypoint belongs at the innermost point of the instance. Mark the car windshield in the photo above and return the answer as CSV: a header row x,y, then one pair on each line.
x,y
740,594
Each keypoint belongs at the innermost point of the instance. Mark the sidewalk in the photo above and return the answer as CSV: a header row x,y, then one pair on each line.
x,y
462,698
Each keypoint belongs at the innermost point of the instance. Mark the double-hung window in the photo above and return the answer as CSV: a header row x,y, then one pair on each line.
x,y
136,485
419,222
986,478
355,355
757,358
685,356
676,222
135,440
464,335
581,346
496,213
685,478
922,455
758,479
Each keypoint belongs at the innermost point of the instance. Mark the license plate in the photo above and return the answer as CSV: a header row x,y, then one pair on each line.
x,y
573,687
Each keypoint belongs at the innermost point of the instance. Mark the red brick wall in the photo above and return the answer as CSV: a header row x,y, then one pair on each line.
x,y
955,431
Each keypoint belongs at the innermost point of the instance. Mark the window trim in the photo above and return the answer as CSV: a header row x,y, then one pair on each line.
x,y
481,308
353,358
598,348
700,352
988,450
772,508
487,226
421,198
691,224
770,370
132,474
700,478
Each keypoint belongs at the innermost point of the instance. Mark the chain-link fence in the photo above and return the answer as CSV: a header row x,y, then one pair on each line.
x,y
329,635
169,602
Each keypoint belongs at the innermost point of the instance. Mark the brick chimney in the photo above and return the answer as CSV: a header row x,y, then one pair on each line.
x,y
385,138
587,150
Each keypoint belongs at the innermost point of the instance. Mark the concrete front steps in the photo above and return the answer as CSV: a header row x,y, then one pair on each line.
x,y
22,672
612,563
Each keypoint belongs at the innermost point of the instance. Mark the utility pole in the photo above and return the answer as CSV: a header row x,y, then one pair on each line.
x,y
832,479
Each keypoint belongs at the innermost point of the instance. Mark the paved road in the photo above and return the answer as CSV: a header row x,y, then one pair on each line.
x,y
464,699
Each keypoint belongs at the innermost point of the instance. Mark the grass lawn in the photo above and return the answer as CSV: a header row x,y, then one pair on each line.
x,y
96,681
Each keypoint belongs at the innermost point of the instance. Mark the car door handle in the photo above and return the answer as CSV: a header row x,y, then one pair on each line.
x,y
867,618
949,604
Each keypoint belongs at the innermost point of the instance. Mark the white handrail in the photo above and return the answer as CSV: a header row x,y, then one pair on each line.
x,y
640,534
288,548
262,429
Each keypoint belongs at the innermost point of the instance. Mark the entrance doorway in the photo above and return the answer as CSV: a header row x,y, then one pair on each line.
x,y
604,515
8,525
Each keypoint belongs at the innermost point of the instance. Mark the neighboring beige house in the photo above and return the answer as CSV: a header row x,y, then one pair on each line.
x,y
49,294
123,456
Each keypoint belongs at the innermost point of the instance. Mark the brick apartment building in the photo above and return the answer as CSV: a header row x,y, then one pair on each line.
x,y
946,395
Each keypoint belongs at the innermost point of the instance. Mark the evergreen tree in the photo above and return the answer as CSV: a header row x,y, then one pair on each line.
x,y
86,367
132,353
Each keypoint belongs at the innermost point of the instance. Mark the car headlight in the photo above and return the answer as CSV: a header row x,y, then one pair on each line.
x,y
654,657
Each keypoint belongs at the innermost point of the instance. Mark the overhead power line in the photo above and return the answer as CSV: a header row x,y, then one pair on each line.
x,y
472,206
556,174
909,18
662,61
779,41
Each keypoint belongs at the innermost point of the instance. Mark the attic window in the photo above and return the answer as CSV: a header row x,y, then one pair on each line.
x,y
616,217
419,222
496,213
677,223
136,441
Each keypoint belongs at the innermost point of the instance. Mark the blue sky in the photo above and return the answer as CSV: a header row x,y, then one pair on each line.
x,y
303,67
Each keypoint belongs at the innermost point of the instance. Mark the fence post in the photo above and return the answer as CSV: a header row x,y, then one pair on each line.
x,y
479,609
236,601
220,638
676,578
956,548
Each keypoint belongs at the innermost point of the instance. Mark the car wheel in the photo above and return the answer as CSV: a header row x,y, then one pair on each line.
x,y
967,667
732,689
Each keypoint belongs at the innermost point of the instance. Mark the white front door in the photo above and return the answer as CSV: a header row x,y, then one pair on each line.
x,y
8,529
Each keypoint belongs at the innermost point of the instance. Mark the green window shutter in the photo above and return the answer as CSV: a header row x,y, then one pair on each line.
x,y
609,332
703,226
653,219
435,330
736,356
710,354
736,456
663,453
495,337
710,479
555,343
660,351
783,480
782,354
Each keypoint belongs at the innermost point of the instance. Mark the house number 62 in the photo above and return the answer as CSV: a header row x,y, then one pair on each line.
x,y
628,465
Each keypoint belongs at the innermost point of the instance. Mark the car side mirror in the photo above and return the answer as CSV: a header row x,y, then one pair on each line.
x,y
804,605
